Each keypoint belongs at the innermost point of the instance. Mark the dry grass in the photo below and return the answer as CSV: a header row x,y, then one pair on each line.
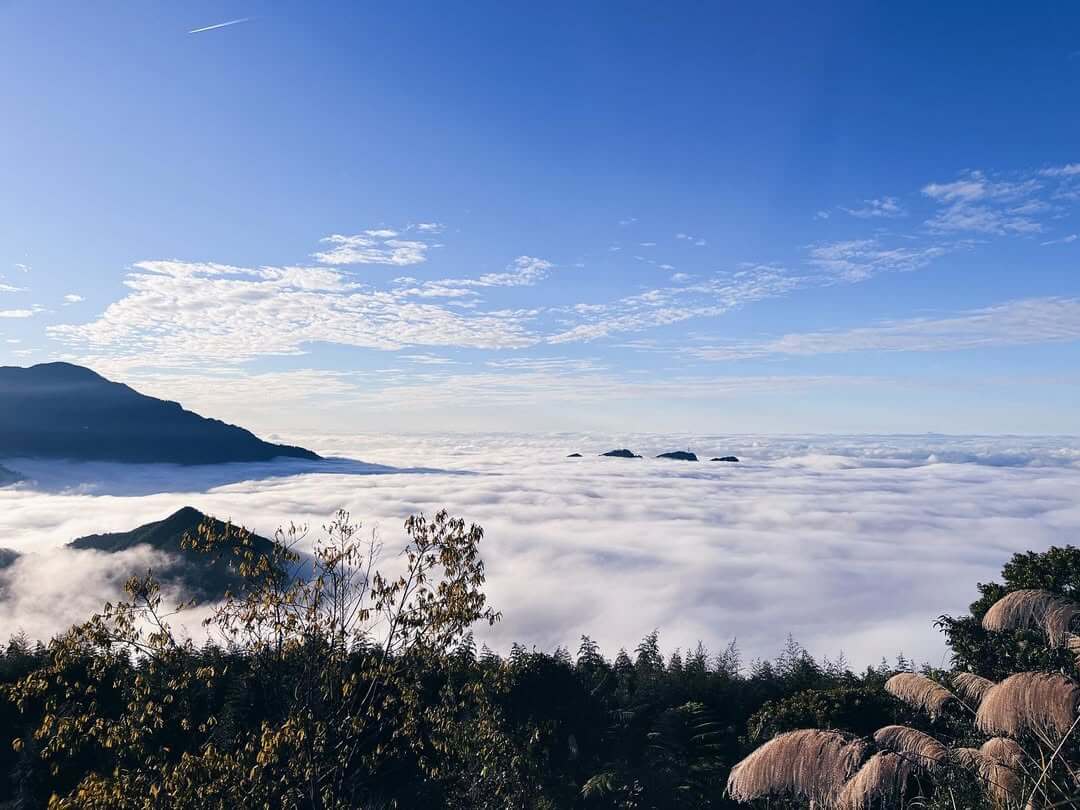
x,y
922,749
880,782
998,765
1000,768
919,691
970,758
1033,608
809,763
1072,643
1042,703
971,687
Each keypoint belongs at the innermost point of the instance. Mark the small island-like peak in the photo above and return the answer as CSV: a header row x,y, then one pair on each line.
x,y
679,455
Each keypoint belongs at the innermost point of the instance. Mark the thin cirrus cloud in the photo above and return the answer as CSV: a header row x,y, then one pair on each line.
x,y
671,305
1013,323
842,262
428,359
1065,240
219,25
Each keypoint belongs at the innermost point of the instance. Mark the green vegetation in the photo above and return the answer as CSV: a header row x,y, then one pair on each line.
x,y
359,684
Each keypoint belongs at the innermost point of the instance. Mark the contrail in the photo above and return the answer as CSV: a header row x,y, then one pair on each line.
x,y
220,25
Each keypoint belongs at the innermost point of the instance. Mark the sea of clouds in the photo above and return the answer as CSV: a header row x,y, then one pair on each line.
x,y
850,544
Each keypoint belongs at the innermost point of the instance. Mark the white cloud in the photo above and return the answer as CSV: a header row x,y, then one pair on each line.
x,y
859,259
180,313
1068,170
983,219
1014,323
377,246
72,298
524,272
980,204
849,543
696,240
7,288
17,313
883,207
189,314
973,188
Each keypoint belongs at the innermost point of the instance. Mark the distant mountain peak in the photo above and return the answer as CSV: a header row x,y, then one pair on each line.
x,y
186,513
61,410
200,574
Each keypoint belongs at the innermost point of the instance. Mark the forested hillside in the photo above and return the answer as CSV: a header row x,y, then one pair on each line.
x,y
356,688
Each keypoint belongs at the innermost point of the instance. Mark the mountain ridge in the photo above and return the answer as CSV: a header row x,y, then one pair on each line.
x,y
62,410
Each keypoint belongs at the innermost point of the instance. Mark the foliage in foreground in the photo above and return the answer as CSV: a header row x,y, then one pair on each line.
x,y
1005,743
334,683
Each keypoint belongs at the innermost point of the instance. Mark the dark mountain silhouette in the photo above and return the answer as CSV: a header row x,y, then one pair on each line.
x,y
59,410
7,557
725,458
574,455
204,576
8,477
679,455
620,454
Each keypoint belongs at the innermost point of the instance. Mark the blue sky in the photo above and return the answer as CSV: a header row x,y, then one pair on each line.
x,y
704,217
